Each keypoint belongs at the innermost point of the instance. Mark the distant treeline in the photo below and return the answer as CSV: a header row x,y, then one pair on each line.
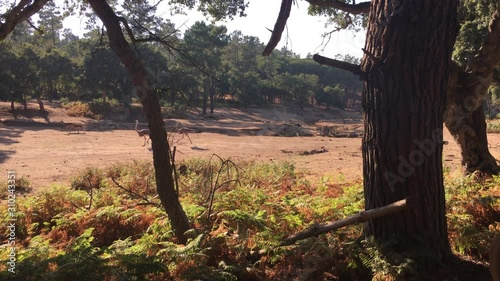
x,y
203,67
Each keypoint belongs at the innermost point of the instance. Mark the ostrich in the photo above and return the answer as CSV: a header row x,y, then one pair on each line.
x,y
185,132
73,128
142,133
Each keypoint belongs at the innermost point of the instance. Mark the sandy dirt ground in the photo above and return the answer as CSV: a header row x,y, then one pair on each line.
x,y
47,152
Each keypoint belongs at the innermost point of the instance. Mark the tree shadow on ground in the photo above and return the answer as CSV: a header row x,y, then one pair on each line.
x,y
30,113
461,269
8,136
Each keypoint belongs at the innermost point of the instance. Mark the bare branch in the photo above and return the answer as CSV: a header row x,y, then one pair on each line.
x,y
162,40
91,193
30,23
171,47
214,186
135,194
18,14
355,9
127,28
279,26
316,229
374,59
99,45
353,68
174,169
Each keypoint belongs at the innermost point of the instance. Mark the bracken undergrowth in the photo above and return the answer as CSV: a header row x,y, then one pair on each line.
x,y
109,225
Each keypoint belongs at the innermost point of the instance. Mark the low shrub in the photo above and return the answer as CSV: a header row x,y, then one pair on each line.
x,y
78,109
96,109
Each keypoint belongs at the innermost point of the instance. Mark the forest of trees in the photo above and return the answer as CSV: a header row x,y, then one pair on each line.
x,y
201,67
411,86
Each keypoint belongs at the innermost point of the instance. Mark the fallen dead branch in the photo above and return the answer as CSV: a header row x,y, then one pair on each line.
x,y
314,151
318,229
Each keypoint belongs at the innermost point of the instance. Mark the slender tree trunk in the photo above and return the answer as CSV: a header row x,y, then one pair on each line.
x,y
206,89
464,114
407,61
25,102
13,108
52,91
212,96
173,95
40,103
53,32
161,158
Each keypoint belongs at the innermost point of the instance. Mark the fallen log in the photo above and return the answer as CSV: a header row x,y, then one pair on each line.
x,y
318,229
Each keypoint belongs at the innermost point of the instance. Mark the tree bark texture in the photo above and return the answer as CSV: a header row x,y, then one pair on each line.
x,y
464,115
406,62
152,110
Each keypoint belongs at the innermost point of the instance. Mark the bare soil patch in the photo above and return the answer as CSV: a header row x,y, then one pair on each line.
x,y
49,151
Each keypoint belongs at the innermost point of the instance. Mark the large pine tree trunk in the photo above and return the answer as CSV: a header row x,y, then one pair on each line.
x,y
149,100
407,61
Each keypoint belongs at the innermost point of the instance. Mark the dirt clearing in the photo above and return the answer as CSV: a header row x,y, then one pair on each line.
x,y
48,152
